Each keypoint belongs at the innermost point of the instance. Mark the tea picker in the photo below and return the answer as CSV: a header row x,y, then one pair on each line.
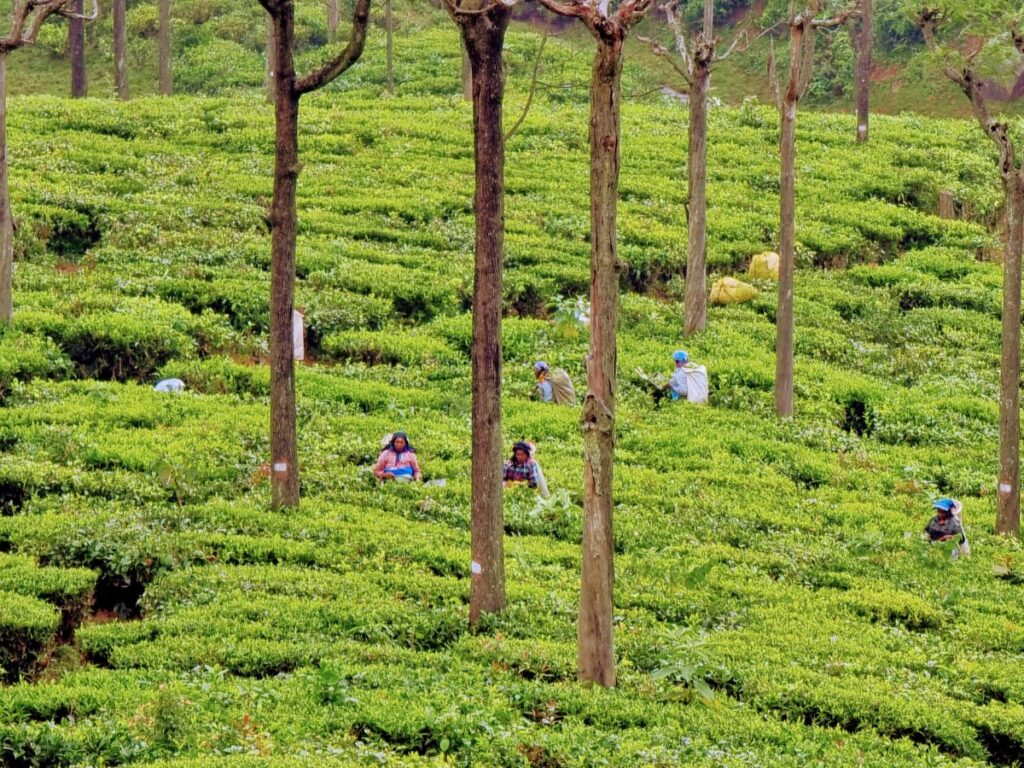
x,y
947,525
553,386
690,381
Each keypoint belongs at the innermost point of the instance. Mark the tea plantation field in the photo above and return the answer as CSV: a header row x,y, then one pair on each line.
x,y
775,603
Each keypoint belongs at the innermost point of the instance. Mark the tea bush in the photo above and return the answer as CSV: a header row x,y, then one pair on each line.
x,y
774,604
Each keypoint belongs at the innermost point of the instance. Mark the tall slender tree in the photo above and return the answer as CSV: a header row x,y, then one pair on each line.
x,y
596,652
482,24
27,16
165,78
271,60
333,19
120,51
389,32
802,28
863,44
960,70
284,476
76,50
698,62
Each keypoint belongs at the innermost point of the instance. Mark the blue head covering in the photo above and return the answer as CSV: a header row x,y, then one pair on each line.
x,y
680,356
539,366
946,505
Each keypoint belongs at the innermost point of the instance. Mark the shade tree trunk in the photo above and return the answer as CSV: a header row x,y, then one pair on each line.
x,y
863,44
289,88
26,17
695,63
482,28
1011,174
165,78
120,51
802,27
76,50
595,637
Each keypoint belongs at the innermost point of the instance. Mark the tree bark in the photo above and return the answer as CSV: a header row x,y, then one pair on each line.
x,y
166,82
389,31
333,19
467,76
863,88
1008,512
595,628
787,228
483,38
120,50
284,476
76,47
272,65
6,222
695,310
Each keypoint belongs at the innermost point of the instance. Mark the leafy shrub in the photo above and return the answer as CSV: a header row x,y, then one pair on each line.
x,y
27,626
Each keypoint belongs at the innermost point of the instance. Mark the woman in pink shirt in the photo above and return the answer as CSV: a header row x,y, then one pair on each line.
x,y
398,461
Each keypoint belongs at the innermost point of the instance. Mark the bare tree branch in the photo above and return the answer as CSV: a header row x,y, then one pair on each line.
x,y
971,85
28,16
662,52
562,9
675,23
345,59
455,11
773,76
533,87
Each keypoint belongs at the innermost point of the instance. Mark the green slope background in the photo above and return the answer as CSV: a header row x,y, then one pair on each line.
x,y
775,604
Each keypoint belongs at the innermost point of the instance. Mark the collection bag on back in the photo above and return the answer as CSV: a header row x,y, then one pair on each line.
x,y
561,387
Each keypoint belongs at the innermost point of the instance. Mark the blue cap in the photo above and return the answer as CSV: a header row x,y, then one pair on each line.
x,y
540,365
946,505
680,356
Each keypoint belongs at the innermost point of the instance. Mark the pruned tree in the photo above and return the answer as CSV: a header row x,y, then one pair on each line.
x,y
802,28
698,61
482,25
27,16
165,78
120,50
76,50
862,42
609,28
960,69
284,475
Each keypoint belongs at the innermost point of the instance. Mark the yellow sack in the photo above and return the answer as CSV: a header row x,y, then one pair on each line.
x,y
729,290
765,266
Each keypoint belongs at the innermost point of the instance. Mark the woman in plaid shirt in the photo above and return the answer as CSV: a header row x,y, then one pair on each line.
x,y
521,468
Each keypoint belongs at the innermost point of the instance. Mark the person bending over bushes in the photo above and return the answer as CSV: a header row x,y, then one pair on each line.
x,y
690,381
398,461
947,525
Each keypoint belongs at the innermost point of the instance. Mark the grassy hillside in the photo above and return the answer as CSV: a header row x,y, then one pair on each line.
x,y
153,612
